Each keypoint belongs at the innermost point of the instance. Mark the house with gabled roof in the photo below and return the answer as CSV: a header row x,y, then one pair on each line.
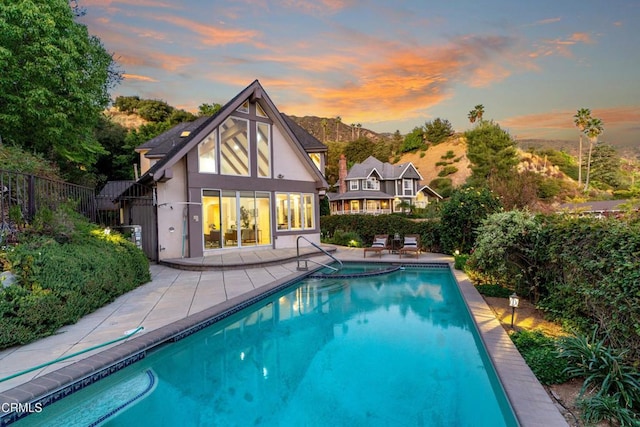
x,y
376,187
247,177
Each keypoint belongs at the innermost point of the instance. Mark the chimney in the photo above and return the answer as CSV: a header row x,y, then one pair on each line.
x,y
342,174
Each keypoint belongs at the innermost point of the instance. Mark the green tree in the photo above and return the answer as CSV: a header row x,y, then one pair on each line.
x,y
605,165
581,119
127,104
54,82
154,110
438,130
462,214
594,129
208,109
179,116
491,151
117,163
413,140
338,121
144,133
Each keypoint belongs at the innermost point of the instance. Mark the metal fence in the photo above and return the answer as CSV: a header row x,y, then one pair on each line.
x,y
23,195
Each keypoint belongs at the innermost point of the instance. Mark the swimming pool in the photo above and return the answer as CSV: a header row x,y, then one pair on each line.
x,y
393,349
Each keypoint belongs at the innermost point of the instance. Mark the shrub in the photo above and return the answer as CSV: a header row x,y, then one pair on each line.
x,y
449,155
447,170
505,250
541,354
603,368
460,260
494,290
346,238
462,214
367,226
60,280
442,186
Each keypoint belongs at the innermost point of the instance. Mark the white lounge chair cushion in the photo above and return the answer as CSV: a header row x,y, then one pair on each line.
x,y
410,242
379,243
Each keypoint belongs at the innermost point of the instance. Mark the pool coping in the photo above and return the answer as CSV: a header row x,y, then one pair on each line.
x,y
530,402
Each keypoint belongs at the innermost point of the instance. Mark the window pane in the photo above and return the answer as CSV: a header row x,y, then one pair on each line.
x,y
211,219
315,157
229,218
244,108
207,154
264,150
263,217
248,235
296,210
282,211
259,111
308,211
234,147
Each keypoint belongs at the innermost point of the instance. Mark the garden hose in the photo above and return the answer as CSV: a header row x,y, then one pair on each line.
x,y
127,334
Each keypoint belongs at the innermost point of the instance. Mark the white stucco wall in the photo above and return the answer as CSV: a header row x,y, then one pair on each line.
x,y
171,209
289,241
286,160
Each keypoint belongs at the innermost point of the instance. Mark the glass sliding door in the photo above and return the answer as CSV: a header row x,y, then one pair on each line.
x,y
263,217
234,219
248,230
211,219
230,219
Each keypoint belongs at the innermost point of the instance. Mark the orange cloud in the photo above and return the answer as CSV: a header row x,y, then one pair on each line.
x,y
547,21
139,78
144,3
314,7
561,46
211,35
612,117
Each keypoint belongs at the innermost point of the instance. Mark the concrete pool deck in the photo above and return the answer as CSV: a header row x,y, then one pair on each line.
x,y
179,299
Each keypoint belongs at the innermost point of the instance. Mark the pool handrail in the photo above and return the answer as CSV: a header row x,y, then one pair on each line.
x,y
306,267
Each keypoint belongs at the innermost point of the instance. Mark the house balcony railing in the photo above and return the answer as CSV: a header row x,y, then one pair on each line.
x,y
361,211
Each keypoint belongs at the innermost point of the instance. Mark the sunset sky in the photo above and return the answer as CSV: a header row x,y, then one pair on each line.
x,y
388,65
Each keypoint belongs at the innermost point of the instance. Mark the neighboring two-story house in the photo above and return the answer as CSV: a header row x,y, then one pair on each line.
x,y
374,187
247,177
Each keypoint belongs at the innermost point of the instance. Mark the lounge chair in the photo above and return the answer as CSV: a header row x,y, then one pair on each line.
x,y
380,243
411,245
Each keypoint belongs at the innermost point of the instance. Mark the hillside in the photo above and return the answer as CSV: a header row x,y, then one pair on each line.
x,y
426,164
345,132
129,121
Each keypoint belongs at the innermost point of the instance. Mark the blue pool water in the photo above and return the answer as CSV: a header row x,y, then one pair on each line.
x,y
398,349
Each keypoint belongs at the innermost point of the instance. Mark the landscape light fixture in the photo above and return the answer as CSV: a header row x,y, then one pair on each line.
x,y
514,300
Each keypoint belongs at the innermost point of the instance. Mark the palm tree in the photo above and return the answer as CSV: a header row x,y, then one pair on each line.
x,y
359,125
593,130
323,123
581,119
353,131
338,120
476,113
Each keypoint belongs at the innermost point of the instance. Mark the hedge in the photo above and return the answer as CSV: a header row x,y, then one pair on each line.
x,y
367,226
584,272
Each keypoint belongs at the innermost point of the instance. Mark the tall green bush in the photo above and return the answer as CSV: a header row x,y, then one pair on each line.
x,y
462,214
506,249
